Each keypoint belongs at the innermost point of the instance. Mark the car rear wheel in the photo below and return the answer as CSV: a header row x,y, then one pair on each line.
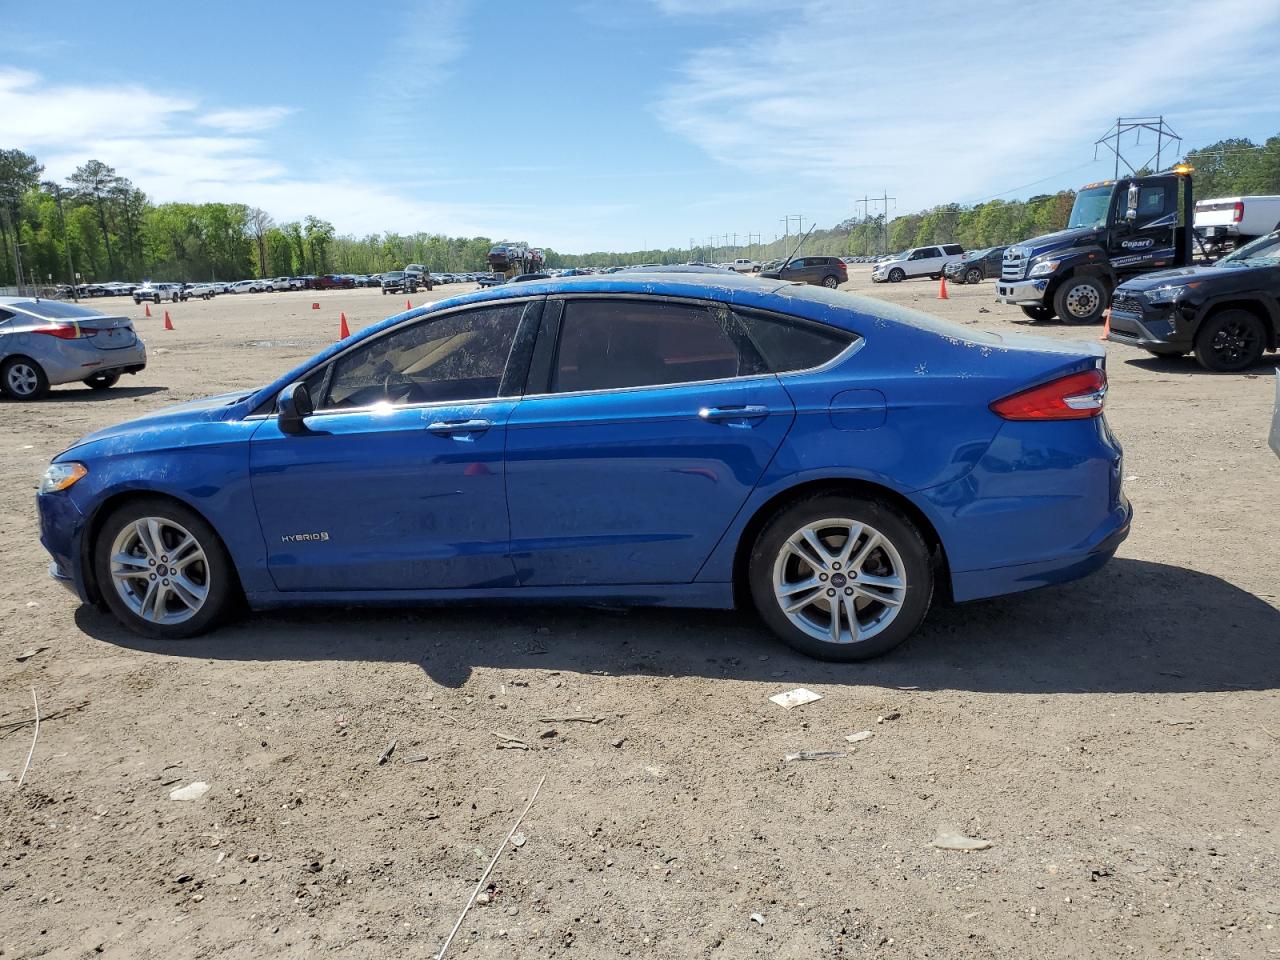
x,y
23,379
831,282
841,578
1040,314
162,570
102,381
973,275
1230,341
896,275
1080,300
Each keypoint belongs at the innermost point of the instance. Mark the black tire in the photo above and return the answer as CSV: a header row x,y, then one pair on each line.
x,y
973,275
896,275
1080,300
29,381
831,282
102,381
935,276
901,533
1230,341
1039,314
223,589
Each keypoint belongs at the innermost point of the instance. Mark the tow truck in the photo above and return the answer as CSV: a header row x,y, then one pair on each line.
x,y
1117,229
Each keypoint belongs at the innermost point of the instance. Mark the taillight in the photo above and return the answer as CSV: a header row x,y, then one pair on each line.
x,y
1076,396
1237,213
68,331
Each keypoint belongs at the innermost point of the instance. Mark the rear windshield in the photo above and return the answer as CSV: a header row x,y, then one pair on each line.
x,y
55,309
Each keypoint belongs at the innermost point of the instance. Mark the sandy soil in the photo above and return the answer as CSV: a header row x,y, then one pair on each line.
x,y
1115,740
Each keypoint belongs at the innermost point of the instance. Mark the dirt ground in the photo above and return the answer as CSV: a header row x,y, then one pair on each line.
x,y
1116,740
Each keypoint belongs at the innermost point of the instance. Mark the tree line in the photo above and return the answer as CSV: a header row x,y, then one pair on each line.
x,y
99,225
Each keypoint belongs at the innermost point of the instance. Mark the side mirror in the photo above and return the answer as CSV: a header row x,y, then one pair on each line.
x,y
293,407
1131,203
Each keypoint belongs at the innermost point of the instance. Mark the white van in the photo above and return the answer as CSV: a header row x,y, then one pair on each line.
x,y
918,262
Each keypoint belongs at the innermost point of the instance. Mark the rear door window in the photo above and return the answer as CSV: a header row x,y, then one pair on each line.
x,y
614,345
787,345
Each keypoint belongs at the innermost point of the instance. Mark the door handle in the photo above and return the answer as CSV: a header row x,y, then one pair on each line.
x,y
459,426
747,412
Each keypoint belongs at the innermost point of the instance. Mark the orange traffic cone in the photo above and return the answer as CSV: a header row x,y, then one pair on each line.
x,y
168,324
315,306
942,288
407,304
148,308
1106,324
343,332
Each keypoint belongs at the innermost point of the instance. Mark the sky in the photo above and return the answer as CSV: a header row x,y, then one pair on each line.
x,y
589,125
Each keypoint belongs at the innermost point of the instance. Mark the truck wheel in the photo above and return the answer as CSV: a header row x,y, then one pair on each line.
x,y
973,275
896,275
1230,341
1080,300
1039,314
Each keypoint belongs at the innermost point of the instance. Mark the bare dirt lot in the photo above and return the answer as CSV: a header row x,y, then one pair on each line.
x,y
1116,740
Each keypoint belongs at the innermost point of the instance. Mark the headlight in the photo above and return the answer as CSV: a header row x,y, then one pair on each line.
x,y
1166,295
1044,268
60,476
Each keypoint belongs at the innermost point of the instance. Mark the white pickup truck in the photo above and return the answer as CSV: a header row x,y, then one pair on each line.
x,y
744,265
1236,219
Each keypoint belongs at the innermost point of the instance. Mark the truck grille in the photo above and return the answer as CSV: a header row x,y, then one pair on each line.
x,y
1123,302
1014,266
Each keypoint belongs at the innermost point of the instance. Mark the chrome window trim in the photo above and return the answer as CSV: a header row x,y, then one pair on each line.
x,y
851,350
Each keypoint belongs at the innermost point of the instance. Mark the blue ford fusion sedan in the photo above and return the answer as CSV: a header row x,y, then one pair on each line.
x,y
680,440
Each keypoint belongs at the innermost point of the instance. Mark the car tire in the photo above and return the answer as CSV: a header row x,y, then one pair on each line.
x,y
1227,342
1080,300
973,275
102,381
211,573
892,549
21,378
1039,314
831,282
896,275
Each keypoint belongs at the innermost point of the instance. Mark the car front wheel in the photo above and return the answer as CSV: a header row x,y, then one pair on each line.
x,y
1230,341
162,570
974,275
841,578
23,379
896,276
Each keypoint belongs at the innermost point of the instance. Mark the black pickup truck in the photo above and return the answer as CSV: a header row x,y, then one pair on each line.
x,y
1227,313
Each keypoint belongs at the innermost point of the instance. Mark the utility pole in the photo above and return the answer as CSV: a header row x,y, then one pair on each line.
x,y
1135,125
885,225
66,239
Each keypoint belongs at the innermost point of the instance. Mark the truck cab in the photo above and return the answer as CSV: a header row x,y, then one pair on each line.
x,y
1117,229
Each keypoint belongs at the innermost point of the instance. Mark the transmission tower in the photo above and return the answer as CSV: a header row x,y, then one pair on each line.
x,y
1113,140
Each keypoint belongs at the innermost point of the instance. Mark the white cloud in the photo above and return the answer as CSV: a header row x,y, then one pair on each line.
x,y
937,105
245,121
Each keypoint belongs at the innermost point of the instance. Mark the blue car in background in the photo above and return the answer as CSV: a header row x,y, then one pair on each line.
x,y
690,440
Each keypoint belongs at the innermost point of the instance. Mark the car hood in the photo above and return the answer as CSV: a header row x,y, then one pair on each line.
x,y
1061,240
176,415
1176,275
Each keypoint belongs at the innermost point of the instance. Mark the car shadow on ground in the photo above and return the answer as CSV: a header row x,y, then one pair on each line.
x,y
1135,627
1188,365
67,394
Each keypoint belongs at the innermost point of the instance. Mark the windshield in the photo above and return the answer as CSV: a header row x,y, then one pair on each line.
x,y
1090,209
1264,250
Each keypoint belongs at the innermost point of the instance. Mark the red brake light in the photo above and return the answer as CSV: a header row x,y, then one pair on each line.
x,y
1077,396
1237,214
68,331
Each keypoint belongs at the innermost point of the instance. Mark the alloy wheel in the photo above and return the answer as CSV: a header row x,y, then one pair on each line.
x,y
839,580
159,569
22,379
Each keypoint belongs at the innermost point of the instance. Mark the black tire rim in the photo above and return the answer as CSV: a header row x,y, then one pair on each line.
x,y
1234,343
